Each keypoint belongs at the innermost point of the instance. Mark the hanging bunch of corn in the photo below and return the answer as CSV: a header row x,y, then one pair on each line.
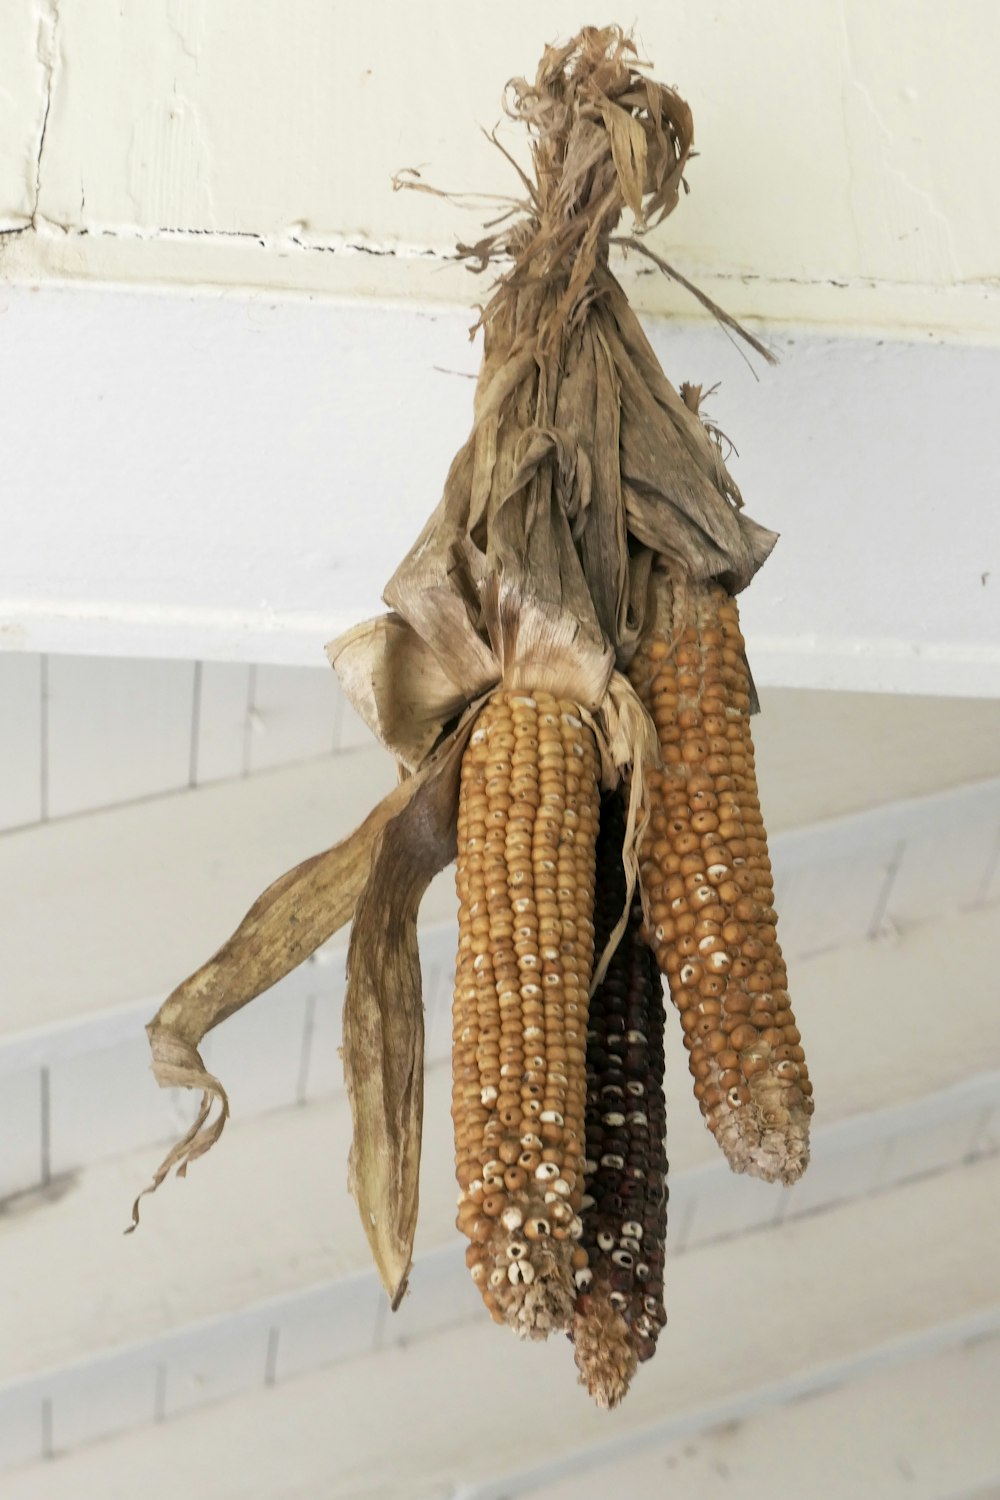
x,y
497,679
619,1308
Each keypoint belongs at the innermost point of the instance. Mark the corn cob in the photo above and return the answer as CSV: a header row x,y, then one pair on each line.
x,y
619,1310
527,829
709,895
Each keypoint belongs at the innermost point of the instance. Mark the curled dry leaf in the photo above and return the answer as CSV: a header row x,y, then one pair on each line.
x,y
288,922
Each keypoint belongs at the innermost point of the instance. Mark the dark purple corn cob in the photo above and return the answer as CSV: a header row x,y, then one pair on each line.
x,y
619,1310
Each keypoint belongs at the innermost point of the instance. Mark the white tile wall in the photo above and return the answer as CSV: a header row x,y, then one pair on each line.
x,y
682,1208
827,903
441,1295
80,733
220,740
293,715
283,1048
85,1408
437,963
84,1125
932,1147
323,1072
20,1132
947,865
117,730
20,1427
331,1323
259,1051
988,1139
352,731
214,1363
21,731
348,1318
728,1205
834,1175
990,890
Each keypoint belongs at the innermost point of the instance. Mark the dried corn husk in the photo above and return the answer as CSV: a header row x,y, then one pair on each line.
x,y
583,468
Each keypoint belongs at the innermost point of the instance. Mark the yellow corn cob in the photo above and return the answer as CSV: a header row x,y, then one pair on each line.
x,y
527,830
707,884
619,1310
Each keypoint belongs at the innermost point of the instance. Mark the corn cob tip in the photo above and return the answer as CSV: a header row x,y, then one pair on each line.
x,y
779,1154
540,1309
527,1284
604,1349
768,1136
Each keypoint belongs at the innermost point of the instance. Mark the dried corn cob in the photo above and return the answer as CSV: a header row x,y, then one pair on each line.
x,y
620,1310
709,895
527,829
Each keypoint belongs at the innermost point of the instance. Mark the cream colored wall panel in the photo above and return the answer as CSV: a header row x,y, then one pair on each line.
x,y
20,740
223,695
827,135
117,731
25,47
265,1221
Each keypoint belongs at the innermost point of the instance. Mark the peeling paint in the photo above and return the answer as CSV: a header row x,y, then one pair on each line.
x,y
47,50
894,215
186,19
269,164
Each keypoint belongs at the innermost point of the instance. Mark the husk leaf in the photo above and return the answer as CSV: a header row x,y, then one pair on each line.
x,y
383,1048
584,462
397,685
297,913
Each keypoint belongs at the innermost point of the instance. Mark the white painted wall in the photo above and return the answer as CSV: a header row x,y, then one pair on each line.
x,y
231,479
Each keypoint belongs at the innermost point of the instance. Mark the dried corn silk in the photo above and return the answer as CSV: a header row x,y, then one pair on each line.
x,y
620,1308
709,893
527,828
